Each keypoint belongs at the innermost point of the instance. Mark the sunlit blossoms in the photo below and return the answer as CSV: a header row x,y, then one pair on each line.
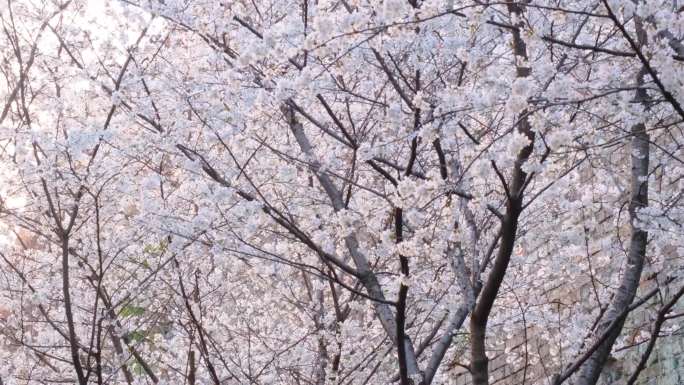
x,y
341,192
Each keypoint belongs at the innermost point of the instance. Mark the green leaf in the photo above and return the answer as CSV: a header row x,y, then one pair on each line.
x,y
131,311
137,369
137,335
156,249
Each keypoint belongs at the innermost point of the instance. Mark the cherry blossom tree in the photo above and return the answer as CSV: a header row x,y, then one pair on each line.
x,y
340,191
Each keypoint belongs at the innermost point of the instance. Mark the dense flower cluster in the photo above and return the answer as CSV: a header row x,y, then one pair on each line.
x,y
338,191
